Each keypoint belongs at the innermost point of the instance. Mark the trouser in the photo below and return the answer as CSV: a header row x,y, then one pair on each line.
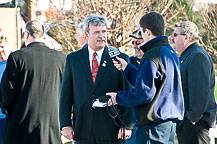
x,y
162,132
187,133
2,125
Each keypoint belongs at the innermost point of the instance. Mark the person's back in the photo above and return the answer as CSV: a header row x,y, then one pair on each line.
x,y
32,100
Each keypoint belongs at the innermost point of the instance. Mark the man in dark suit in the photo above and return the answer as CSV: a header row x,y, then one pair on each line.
x,y
30,90
89,74
198,84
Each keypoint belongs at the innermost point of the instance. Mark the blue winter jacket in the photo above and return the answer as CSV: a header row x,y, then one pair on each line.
x,y
157,93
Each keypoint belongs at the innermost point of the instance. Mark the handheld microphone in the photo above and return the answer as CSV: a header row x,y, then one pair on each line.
x,y
113,52
104,98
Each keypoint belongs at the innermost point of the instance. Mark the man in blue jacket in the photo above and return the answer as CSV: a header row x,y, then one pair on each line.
x,y
157,93
198,84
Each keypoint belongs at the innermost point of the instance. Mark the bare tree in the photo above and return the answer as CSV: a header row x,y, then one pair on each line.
x,y
30,9
123,18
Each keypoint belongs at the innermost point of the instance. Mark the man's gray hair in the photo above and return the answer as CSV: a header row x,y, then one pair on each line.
x,y
35,28
94,20
189,28
80,28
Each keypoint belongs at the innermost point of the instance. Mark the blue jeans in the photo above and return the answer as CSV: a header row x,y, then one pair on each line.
x,y
162,132
2,126
132,139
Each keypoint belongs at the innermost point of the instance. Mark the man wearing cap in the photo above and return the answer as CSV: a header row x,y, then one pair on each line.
x,y
137,42
135,60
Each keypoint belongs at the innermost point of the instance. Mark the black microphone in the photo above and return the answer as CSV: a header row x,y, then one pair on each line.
x,y
104,98
113,52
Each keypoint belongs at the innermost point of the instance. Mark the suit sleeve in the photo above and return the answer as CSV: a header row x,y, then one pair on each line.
x,y
126,113
9,84
199,72
66,96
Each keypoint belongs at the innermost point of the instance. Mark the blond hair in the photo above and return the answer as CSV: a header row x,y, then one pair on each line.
x,y
188,28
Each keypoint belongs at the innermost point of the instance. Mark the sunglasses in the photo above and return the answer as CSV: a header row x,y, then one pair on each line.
x,y
136,42
175,34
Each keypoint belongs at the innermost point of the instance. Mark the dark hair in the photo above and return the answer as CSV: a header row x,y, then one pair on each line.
x,y
35,28
154,22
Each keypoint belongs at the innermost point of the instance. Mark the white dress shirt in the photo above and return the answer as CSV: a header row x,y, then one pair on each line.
x,y
98,56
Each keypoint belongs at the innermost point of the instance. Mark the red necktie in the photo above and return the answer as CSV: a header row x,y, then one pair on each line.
x,y
95,67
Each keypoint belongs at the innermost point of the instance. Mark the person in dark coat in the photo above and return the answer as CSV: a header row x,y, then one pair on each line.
x,y
137,42
135,60
198,84
30,90
89,74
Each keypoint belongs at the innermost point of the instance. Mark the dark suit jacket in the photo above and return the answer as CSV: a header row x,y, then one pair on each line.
x,y
78,91
30,90
198,84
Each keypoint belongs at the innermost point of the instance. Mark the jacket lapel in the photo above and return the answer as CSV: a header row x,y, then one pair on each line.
x,y
104,64
85,64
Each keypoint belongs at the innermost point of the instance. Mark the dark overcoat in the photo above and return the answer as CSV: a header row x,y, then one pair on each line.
x,y
198,84
30,90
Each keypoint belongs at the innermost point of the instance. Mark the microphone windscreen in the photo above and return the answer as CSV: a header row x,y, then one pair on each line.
x,y
113,52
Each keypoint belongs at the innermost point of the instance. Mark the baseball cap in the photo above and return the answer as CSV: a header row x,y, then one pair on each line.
x,y
136,34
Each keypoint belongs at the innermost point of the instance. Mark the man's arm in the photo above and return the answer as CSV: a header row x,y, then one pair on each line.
x,y
66,101
144,89
199,86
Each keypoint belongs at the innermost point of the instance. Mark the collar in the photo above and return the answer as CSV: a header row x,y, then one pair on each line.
x,y
188,49
36,43
153,42
91,51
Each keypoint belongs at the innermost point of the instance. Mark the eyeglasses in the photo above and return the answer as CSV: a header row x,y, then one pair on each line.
x,y
136,42
175,34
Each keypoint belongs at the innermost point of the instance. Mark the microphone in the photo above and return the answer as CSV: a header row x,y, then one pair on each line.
x,y
101,101
104,98
113,52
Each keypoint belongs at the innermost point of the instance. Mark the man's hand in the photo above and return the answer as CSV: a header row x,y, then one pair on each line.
x,y
112,100
68,132
128,133
120,63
